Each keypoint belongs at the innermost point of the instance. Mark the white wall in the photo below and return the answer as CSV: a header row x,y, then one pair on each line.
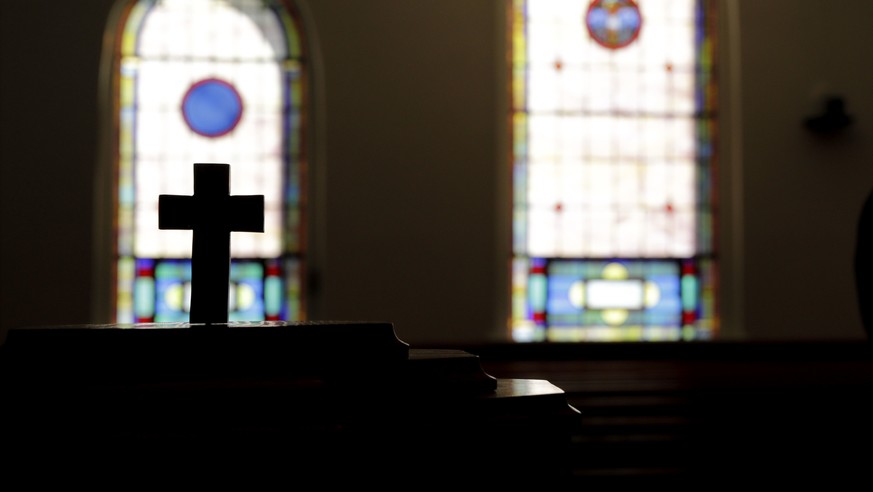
x,y
409,143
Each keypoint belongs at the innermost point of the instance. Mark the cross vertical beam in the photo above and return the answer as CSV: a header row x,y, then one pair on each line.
x,y
212,213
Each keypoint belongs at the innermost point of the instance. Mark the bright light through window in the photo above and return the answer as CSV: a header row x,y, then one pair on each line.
x,y
613,127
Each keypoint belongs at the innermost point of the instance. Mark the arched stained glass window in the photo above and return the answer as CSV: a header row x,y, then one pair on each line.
x,y
203,81
613,168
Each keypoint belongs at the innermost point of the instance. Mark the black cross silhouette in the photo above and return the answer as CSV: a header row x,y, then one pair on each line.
x,y
212,213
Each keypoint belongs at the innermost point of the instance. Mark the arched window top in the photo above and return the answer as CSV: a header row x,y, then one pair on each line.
x,y
209,29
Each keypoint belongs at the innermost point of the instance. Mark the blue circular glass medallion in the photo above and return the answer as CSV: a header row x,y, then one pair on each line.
x,y
212,107
613,24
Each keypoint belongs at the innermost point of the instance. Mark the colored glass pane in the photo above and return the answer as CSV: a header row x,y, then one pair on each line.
x,y
210,81
613,23
613,117
212,107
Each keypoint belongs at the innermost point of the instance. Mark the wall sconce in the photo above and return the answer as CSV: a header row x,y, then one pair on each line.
x,y
832,120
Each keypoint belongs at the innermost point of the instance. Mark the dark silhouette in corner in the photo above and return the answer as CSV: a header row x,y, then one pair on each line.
x,y
864,264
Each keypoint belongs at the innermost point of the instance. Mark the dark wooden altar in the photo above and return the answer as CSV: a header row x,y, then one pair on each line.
x,y
271,403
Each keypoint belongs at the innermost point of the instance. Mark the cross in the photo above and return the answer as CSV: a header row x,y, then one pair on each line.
x,y
212,213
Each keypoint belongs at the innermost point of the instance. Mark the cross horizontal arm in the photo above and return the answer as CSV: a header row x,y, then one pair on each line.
x,y
176,212
246,213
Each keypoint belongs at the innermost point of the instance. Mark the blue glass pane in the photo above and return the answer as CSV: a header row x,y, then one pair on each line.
x,y
212,107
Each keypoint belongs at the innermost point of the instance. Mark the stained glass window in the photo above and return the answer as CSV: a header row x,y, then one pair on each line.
x,y
613,121
210,81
